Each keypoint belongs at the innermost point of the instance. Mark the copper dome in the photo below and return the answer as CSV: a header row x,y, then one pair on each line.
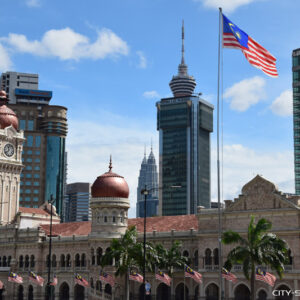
x,y
7,115
110,185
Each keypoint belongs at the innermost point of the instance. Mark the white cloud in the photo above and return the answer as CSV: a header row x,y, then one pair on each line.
x,y
227,5
67,44
151,95
33,3
246,93
283,104
90,144
5,62
241,164
142,60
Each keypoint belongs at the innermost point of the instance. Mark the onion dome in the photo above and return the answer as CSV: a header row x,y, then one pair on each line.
x,y
7,115
110,185
182,84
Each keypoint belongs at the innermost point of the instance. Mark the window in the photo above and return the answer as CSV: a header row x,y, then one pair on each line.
x,y
30,125
29,152
22,175
37,152
36,183
22,124
36,175
29,159
38,141
35,199
27,199
28,168
35,191
29,140
28,175
27,191
37,160
37,168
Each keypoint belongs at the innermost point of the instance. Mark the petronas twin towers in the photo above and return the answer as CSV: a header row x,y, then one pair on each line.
x,y
148,179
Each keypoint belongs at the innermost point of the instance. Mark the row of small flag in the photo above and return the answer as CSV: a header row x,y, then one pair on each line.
x,y
261,275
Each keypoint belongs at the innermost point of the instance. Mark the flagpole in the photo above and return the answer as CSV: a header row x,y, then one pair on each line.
x,y
221,294
184,283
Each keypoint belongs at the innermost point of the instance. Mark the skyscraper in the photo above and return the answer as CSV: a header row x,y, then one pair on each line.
x,y
148,178
185,122
77,202
45,130
296,117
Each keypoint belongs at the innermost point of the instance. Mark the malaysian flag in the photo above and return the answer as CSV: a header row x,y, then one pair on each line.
x,y
189,272
1,285
54,281
229,276
257,56
267,277
107,278
165,278
36,278
13,277
135,276
80,280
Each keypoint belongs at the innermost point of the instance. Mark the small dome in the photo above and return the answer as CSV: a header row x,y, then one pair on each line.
x,y
7,115
110,185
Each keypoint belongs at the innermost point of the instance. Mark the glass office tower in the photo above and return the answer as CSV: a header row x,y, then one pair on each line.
x,y
185,122
296,116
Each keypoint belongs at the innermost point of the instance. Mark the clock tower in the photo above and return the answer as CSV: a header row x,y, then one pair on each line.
x,y
11,145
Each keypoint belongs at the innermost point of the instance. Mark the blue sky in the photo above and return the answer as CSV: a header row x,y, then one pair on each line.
x,y
110,61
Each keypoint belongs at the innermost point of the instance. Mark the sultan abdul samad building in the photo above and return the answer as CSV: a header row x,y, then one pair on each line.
x,y
78,246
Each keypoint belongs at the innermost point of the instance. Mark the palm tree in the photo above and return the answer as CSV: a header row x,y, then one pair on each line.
x,y
259,249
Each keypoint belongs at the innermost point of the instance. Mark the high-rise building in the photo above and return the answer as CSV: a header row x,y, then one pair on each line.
x,y
148,179
45,130
77,202
185,122
296,115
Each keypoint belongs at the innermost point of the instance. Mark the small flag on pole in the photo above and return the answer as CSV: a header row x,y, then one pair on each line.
x,y
80,280
163,277
13,277
36,278
189,272
1,285
228,276
267,277
257,55
54,281
135,276
107,278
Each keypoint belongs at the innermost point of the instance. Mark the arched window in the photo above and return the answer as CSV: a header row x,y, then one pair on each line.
x,y
208,257
114,219
68,261
20,292
92,282
9,261
4,261
290,258
32,261
62,261
98,285
105,219
30,292
54,263
26,262
77,260
262,295
93,256
99,255
216,257
21,261
83,260
196,261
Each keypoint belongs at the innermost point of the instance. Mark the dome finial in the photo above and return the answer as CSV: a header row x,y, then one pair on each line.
x,y
182,45
110,164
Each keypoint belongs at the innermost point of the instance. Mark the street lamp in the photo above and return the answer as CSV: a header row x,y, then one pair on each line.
x,y
49,287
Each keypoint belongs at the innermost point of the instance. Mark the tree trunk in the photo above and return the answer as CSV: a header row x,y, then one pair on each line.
x,y
252,282
126,286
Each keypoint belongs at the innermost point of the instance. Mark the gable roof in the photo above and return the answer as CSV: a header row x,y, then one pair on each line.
x,y
30,210
160,224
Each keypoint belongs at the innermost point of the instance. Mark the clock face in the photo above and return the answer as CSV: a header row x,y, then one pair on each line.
x,y
9,150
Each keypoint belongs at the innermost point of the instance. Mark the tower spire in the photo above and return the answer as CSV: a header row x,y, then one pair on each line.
x,y
182,43
110,164
145,150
